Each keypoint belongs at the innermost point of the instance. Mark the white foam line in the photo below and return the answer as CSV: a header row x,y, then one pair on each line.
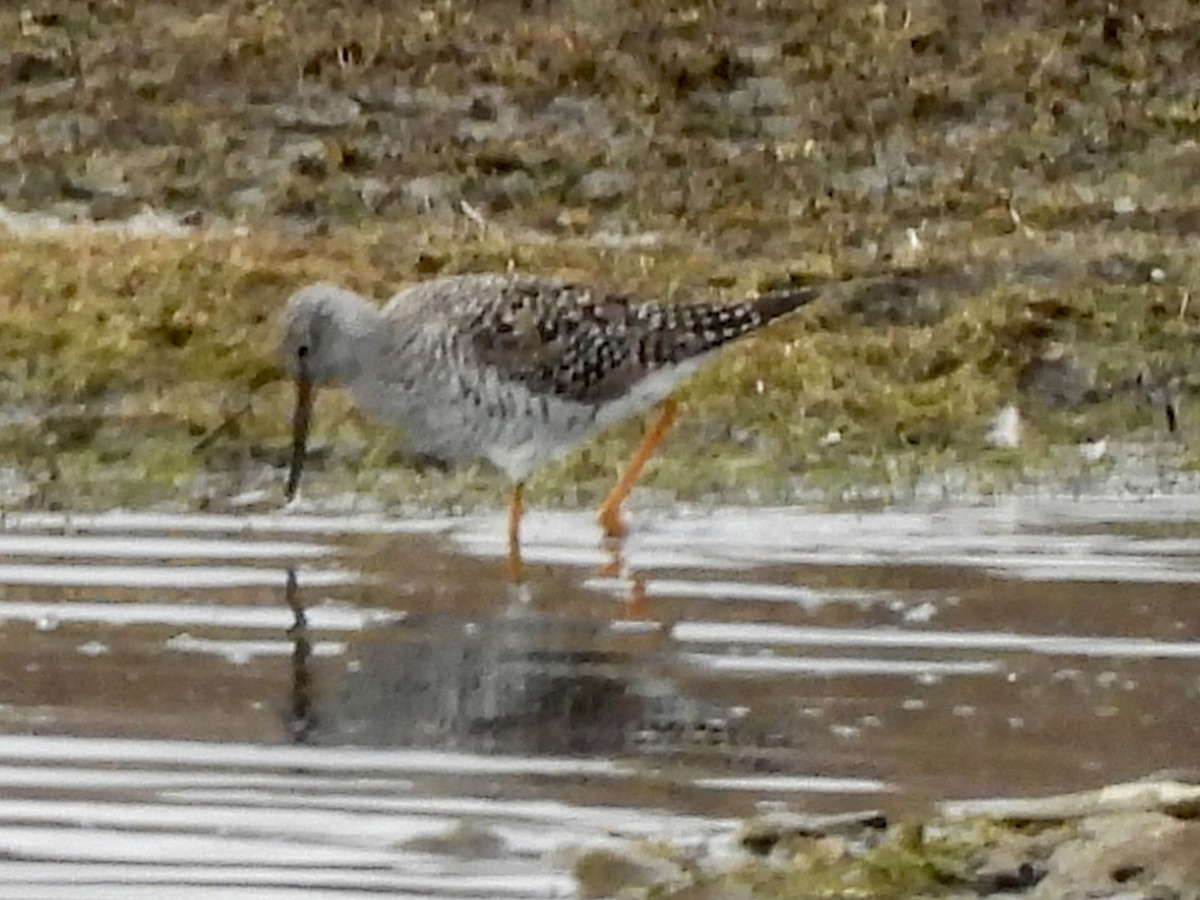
x,y
1049,644
277,523
530,829
823,665
1055,560
147,889
123,881
173,577
324,617
490,544
240,653
975,537
833,540
183,783
1109,509
156,834
271,757
550,814
735,591
807,784
1118,569
127,874
731,590
254,825
155,548
64,844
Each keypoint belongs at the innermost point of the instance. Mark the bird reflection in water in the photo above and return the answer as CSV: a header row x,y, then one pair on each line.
x,y
516,683
300,719
637,606
509,678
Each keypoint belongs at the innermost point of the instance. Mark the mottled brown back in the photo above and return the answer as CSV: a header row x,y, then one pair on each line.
x,y
579,344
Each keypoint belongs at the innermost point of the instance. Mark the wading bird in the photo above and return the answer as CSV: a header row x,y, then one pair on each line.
x,y
514,369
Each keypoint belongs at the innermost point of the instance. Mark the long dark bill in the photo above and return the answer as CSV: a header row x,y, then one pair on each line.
x,y
300,420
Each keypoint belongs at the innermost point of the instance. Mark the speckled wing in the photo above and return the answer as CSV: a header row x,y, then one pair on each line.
x,y
576,343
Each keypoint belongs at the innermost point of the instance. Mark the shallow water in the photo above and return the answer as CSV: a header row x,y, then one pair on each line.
x,y
299,706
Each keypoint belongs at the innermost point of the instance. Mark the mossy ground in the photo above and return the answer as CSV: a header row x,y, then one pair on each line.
x,y
999,199
906,860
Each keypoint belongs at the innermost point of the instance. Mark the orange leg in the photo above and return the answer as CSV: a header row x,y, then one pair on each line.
x,y
609,515
611,567
515,507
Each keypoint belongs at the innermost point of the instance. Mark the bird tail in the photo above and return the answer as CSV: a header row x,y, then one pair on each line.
x,y
774,304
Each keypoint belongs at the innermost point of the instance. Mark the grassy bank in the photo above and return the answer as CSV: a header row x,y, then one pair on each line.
x,y
999,203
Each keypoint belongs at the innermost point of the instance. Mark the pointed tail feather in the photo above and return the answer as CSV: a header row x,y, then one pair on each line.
x,y
774,304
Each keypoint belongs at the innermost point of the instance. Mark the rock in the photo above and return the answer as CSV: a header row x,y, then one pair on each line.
x,y
1174,798
1005,430
40,183
248,201
759,54
112,207
429,191
1093,450
317,108
466,840
1147,850
1124,205
606,872
1007,868
605,185
53,93
575,114
490,117
382,96
506,191
784,127
15,485
762,833
22,68
759,94
106,173
304,151
66,132
374,193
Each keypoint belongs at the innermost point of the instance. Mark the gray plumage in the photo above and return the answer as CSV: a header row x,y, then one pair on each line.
x,y
514,369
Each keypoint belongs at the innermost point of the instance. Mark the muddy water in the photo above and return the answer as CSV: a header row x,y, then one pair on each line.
x,y
288,706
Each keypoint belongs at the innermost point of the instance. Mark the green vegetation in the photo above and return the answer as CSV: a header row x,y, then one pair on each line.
x,y
999,202
902,861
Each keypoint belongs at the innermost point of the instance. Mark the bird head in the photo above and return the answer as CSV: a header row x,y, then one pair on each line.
x,y
322,325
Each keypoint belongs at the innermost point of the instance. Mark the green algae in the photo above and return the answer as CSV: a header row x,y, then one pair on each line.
x,y
905,862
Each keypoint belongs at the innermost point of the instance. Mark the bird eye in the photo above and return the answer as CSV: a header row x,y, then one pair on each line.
x,y
302,351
